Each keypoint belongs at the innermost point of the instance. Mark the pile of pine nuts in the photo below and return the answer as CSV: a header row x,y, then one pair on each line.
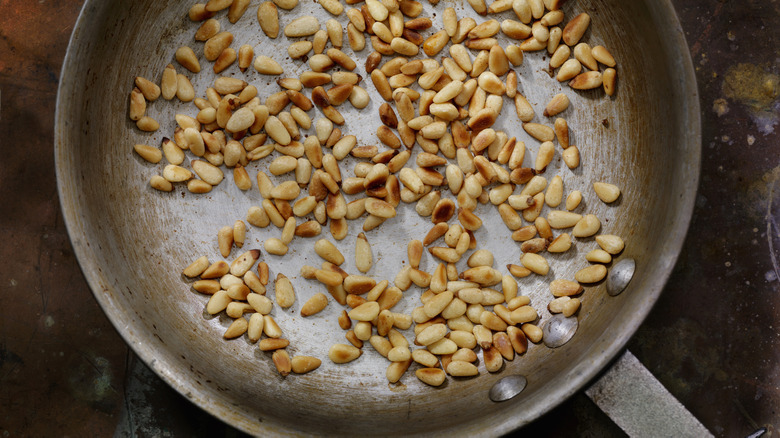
x,y
457,103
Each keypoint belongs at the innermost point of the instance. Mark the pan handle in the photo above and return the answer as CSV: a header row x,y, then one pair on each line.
x,y
637,402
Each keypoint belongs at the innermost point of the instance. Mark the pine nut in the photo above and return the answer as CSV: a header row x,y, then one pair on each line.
x,y
532,332
610,243
609,79
591,274
257,217
571,156
275,246
168,83
569,70
587,81
583,53
598,256
608,193
260,303
535,263
431,376
587,226
328,251
538,131
557,105
186,57
575,28
544,156
562,219
304,364
565,288
461,368
525,111
314,305
562,243
469,220
365,312
435,43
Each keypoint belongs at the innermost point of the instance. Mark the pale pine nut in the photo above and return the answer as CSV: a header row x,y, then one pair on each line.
x,y
275,246
610,243
608,193
532,332
582,52
559,219
587,226
591,274
536,263
328,251
598,256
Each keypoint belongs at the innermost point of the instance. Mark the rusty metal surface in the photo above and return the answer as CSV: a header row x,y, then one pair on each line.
x,y
711,339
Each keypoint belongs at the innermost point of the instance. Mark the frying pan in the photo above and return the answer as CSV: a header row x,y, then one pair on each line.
x,y
132,242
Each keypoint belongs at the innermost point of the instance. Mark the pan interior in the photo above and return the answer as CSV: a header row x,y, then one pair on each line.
x,y
133,242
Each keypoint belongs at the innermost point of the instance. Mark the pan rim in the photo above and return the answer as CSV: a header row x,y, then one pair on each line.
x,y
164,368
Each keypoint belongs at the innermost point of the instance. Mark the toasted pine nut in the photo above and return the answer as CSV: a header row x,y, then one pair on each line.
x,y
598,256
583,53
569,70
147,124
575,28
562,219
302,26
565,288
244,262
285,294
275,246
562,243
524,110
365,312
608,193
610,243
209,287
435,43
314,305
536,263
304,364
480,257
587,81
461,368
557,105
602,55
591,274
571,156
587,226
282,362
609,79
328,251
532,332
538,131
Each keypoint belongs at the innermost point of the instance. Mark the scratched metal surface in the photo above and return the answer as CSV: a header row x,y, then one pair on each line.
x,y
712,336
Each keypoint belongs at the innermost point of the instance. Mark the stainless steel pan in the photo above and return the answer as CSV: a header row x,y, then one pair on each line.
x,y
132,241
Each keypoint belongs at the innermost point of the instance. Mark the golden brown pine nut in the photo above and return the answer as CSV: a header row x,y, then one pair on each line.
x,y
304,364
575,29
